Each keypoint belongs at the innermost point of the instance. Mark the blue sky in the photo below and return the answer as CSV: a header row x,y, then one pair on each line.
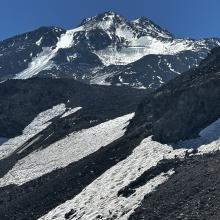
x,y
184,18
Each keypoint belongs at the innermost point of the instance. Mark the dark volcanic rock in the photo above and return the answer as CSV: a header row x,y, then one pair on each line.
x,y
193,192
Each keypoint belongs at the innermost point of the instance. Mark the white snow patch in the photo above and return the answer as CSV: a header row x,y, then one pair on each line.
x,y
40,123
68,150
43,60
71,57
101,196
39,63
38,43
100,78
172,69
3,81
70,111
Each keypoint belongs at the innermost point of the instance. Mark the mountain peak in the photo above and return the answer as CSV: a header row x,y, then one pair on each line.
x,y
151,27
142,19
110,13
108,16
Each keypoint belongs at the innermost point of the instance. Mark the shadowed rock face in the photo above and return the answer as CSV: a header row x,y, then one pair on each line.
x,y
193,192
22,100
183,107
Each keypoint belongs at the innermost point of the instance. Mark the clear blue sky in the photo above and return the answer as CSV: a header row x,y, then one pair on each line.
x,y
184,18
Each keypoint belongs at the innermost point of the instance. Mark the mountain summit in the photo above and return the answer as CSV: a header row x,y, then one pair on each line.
x,y
105,49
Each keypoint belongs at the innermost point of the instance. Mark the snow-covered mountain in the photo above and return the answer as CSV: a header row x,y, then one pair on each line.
x,y
106,49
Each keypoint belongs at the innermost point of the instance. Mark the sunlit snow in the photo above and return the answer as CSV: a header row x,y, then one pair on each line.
x,y
133,47
41,122
101,196
69,149
43,60
141,47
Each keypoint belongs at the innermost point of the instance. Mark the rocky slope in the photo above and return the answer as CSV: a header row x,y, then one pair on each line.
x,y
69,150
23,100
180,109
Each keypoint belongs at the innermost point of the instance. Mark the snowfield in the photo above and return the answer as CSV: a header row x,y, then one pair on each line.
x,y
100,199
68,150
43,60
41,122
151,41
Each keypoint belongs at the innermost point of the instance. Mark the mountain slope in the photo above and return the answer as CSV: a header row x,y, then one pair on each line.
x,y
191,101
105,49
82,151
70,150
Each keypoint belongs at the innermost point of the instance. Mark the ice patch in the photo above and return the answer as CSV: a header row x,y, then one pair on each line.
x,y
70,111
68,150
40,123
